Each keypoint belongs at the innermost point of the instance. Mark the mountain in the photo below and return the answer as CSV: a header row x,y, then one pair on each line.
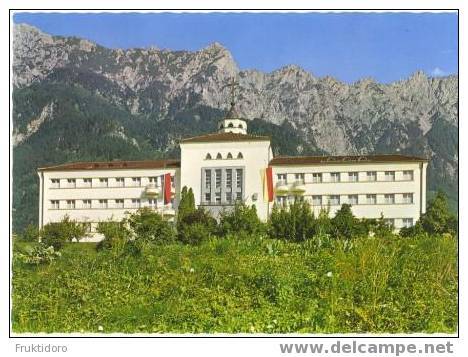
x,y
76,100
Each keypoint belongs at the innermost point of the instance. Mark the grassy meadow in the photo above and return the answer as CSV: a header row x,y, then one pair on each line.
x,y
244,285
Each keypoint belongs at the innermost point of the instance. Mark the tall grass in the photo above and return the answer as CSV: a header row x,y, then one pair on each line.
x,y
245,285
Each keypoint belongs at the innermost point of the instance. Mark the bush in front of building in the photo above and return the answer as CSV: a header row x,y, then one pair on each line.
x,y
437,220
56,234
195,227
240,220
148,226
344,225
116,235
36,254
295,222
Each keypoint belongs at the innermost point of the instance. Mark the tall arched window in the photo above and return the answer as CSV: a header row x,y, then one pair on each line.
x,y
241,126
208,156
219,157
240,156
231,125
229,156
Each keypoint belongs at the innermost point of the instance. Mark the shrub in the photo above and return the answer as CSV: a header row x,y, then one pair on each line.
x,y
381,228
438,219
294,223
346,226
56,234
412,231
38,254
241,219
196,226
150,227
116,235
30,234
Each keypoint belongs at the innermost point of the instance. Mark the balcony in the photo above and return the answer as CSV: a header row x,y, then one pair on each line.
x,y
298,188
282,188
152,190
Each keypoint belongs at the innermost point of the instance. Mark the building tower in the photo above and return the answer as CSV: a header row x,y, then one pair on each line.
x,y
232,122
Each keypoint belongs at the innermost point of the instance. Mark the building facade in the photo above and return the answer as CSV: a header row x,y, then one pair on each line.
x,y
228,166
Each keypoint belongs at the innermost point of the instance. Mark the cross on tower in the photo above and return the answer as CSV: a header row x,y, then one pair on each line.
x,y
234,83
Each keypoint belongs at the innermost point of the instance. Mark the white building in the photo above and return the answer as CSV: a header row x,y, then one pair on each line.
x,y
232,165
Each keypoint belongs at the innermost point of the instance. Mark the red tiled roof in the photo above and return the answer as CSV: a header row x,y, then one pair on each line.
x,y
114,165
314,160
224,137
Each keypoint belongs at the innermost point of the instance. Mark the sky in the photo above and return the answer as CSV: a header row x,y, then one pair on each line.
x,y
348,46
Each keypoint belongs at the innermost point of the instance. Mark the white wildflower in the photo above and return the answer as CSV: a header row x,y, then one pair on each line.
x,y
100,328
192,270
329,274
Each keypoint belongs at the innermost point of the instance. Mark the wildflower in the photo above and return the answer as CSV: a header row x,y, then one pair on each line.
x,y
329,274
252,328
100,328
192,270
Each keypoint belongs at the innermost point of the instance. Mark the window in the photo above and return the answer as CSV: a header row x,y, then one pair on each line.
x,y
371,176
103,182
120,181
218,178
207,197
71,183
87,182
282,178
300,177
240,156
389,199
228,178
208,179
219,157
55,183
408,175
230,125
208,156
54,204
239,196
282,200
87,227
317,178
87,204
152,203
371,199
218,197
153,180
229,156
102,203
239,178
229,197
407,222
353,199
316,200
353,177
136,181
119,203
172,181
334,200
389,175
390,222
407,198
70,204
335,177
136,203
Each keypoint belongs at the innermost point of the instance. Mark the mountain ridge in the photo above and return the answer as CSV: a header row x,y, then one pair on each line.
x,y
162,95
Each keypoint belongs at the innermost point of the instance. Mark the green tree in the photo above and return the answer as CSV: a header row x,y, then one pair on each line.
x,y
150,227
345,225
56,234
241,218
30,233
438,219
186,204
196,226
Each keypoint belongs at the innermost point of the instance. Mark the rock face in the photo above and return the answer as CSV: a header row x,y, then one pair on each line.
x,y
339,118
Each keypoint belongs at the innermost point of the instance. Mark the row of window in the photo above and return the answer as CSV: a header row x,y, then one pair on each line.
x,y
105,182
219,198
103,203
351,176
227,178
336,200
229,156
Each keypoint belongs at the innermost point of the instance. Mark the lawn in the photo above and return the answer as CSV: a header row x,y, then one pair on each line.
x,y
248,285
